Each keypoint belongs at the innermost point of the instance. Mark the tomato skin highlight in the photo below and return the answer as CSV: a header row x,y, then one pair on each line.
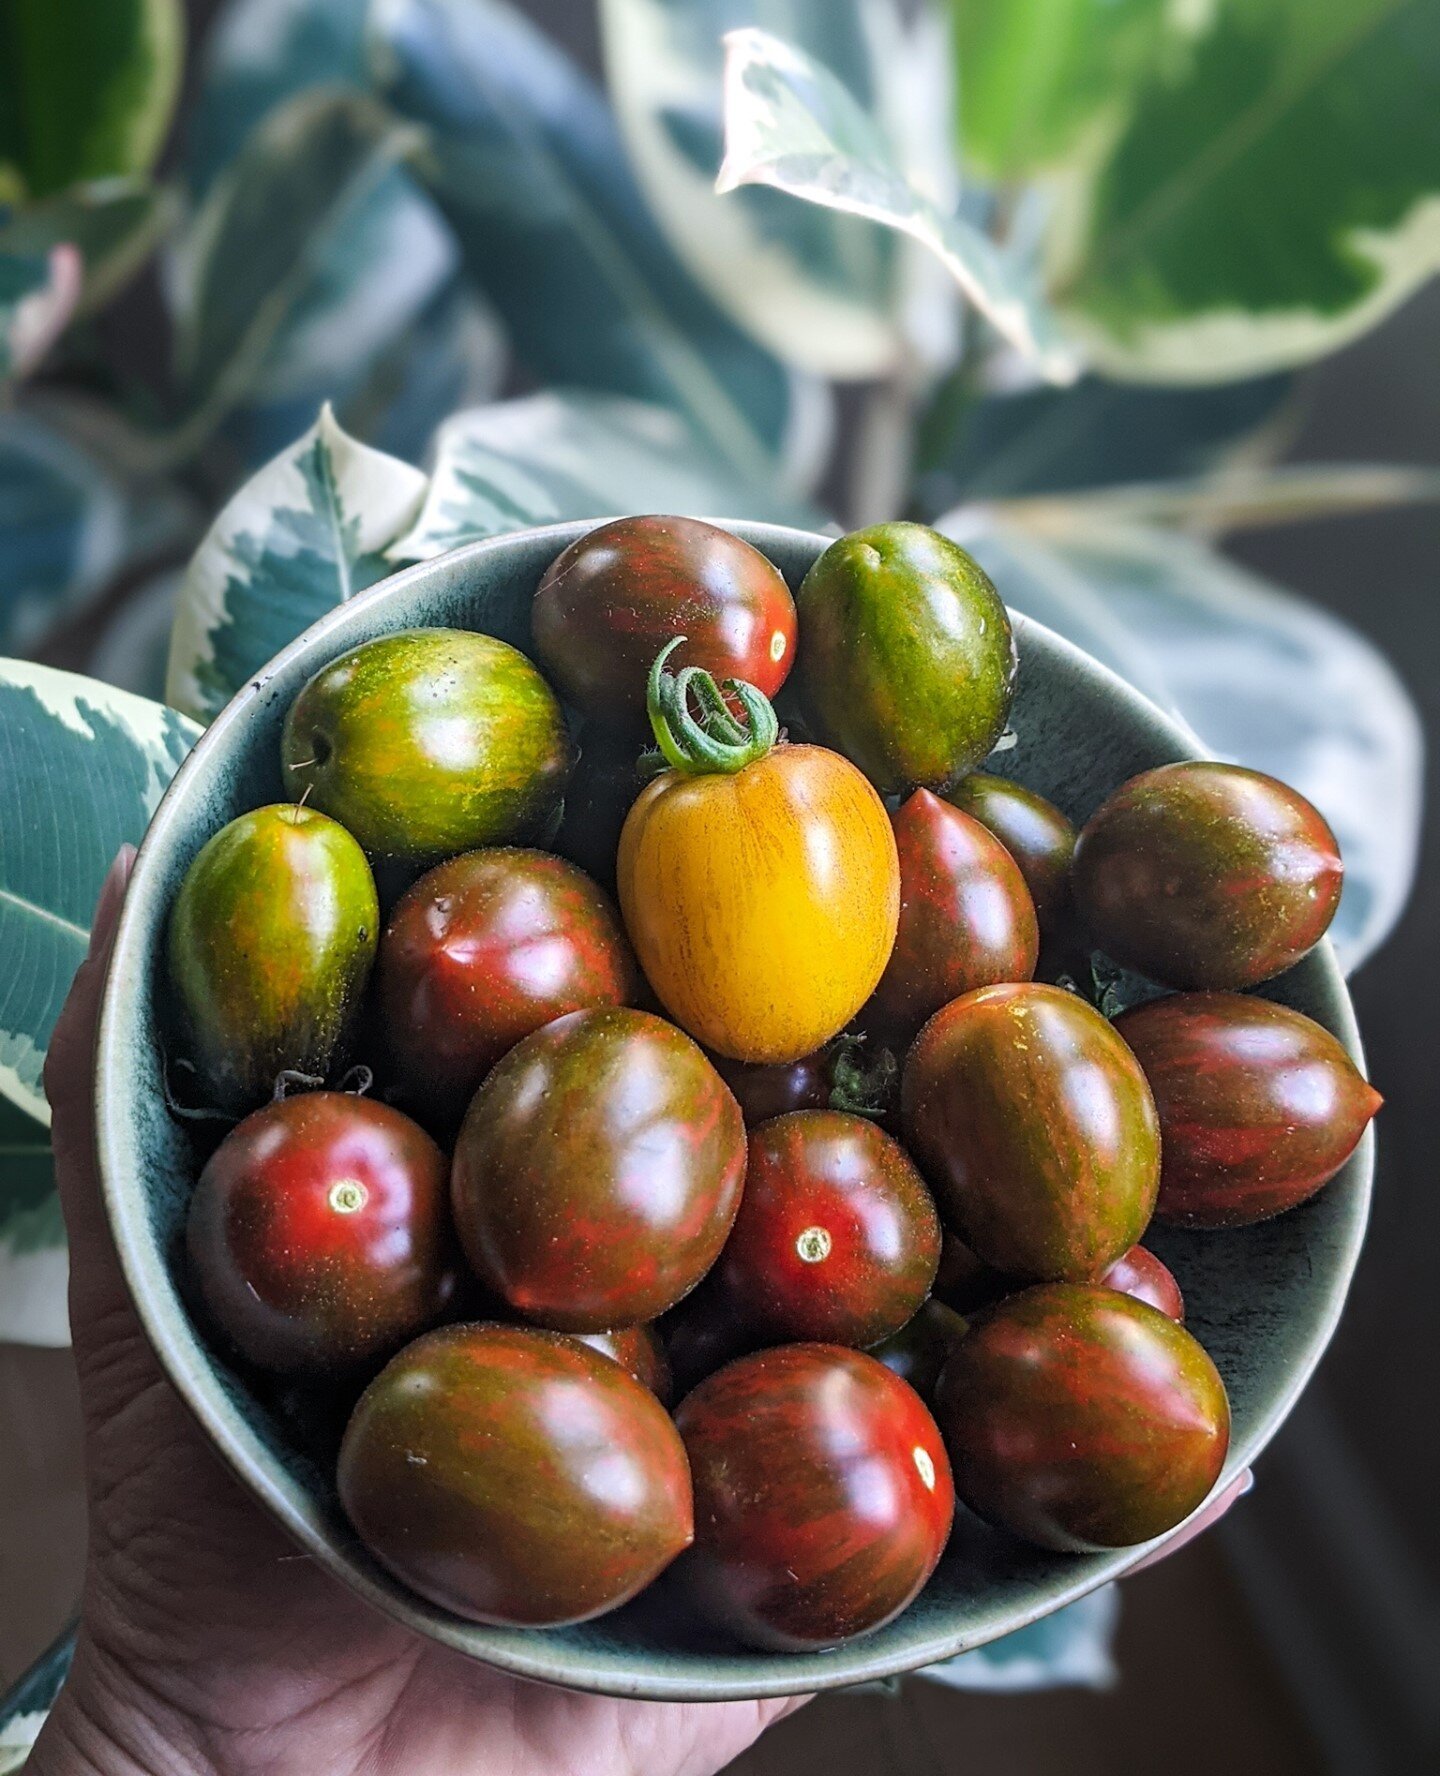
x,y
823,1497
837,1239
318,1238
610,601
478,953
1259,1105
1081,1418
598,1171
966,917
762,904
639,1352
1036,834
514,1476
1140,1273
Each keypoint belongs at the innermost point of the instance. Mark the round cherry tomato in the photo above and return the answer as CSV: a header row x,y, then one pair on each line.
x,y
1141,1274
1259,1105
704,1332
823,1497
966,918
598,1171
963,1282
1081,1418
638,1350
919,1350
318,1237
1036,834
763,1092
1206,875
480,952
1037,1131
837,1239
515,1476
759,882
615,597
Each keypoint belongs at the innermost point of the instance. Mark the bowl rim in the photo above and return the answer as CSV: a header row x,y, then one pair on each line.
x,y
536,1657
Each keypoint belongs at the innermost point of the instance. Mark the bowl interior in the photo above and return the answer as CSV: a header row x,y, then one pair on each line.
x,y
1263,1300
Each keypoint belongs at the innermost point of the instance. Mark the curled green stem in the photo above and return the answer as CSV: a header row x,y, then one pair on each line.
x,y
709,738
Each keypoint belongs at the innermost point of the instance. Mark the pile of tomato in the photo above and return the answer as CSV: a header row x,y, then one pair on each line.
x,y
670,1129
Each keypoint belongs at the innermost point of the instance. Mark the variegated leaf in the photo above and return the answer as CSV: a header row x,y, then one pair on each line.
x,y
32,1236
111,225
1259,675
82,767
525,159
575,455
300,537
789,123
820,288
1273,192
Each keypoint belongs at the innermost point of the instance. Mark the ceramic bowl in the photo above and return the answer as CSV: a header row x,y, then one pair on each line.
x,y
1263,1300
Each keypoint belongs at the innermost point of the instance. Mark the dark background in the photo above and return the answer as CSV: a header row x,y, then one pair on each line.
x,y
1303,1636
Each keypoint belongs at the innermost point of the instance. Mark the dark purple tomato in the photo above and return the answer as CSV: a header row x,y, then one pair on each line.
x,y
823,1497
1037,1131
764,1091
480,952
638,1350
837,1238
1259,1105
703,1333
918,1351
601,792
966,917
608,605
515,1476
1141,1274
1081,1418
963,1282
319,1235
1036,834
598,1171
1206,875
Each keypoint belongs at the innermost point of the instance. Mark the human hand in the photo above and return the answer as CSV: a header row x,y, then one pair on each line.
x,y
208,1643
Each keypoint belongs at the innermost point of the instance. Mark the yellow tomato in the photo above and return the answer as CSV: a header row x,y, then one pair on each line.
x,y
762,903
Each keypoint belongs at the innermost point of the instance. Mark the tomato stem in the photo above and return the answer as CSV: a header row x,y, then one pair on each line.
x,y
715,740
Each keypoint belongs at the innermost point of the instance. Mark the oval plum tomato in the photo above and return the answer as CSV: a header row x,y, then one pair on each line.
x,y
598,1171
1036,834
1206,875
1035,1127
823,1497
1080,1418
763,1092
919,1350
759,882
1141,1274
480,952
515,1476
837,1238
1259,1105
966,917
318,1237
703,1333
611,601
638,1350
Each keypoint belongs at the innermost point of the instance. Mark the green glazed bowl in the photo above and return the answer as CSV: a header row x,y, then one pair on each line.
x,y
1263,1300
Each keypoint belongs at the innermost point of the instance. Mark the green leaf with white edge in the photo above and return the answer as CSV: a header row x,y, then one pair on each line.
x,y
1274,192
259,241
1038,78
819,288
301,536
789,123
573,454
113,224
82,767
526,161
88,91
1261,676
32,1235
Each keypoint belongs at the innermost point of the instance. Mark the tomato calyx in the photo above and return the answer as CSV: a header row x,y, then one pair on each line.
x,y
715,741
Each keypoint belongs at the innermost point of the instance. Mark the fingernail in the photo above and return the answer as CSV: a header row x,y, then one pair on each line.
x,y
112,894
